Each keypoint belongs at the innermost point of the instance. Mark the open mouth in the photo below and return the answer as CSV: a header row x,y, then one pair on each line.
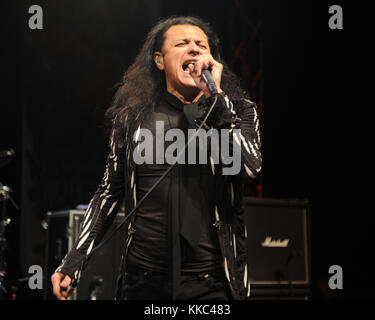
x,y
185,66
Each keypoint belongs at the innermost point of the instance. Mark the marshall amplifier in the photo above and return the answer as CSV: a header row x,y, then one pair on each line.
x,y
280,293
278,246
98,281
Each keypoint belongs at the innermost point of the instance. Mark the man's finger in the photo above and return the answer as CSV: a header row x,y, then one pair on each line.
x,y
57,292
191,67
56,279
66,282
68,293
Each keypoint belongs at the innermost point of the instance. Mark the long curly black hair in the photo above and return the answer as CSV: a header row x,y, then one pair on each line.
x,y
143,83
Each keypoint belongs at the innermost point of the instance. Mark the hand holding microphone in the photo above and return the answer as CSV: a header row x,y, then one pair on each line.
x,y
206,73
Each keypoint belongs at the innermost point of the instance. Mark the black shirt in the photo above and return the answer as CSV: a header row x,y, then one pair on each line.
x,y
150,244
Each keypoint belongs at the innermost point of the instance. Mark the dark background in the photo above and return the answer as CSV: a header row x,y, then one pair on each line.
x,y
309,82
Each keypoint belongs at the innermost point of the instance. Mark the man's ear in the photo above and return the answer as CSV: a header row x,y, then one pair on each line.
x,y
159,61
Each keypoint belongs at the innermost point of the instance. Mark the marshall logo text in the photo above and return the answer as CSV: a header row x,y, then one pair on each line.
x,y
269,242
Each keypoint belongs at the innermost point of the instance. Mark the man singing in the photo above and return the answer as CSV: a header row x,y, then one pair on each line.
x,y
187,239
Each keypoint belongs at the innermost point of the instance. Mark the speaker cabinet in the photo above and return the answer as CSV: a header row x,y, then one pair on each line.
x,y
281,293
98,281
278,243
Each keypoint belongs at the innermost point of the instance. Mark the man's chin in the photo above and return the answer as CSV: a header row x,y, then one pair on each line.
x,y
189,85
190,89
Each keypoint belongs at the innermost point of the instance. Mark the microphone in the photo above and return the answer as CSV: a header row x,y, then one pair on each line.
x,y
206,74
207,77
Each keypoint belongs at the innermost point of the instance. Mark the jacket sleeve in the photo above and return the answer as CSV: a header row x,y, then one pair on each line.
x,y
99,214
240,118
247,121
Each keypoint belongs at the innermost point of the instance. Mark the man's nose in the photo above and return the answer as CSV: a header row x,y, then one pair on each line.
x,y
193,49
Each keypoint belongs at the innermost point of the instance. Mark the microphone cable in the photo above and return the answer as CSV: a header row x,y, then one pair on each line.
x,y
110,236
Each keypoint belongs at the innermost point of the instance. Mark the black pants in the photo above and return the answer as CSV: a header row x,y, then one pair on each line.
x,y
142,284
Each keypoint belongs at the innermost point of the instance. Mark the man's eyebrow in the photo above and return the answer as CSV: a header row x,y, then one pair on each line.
x,y
189,39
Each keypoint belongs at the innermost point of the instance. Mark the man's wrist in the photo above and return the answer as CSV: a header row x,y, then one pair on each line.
x,y
222,93
208,93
